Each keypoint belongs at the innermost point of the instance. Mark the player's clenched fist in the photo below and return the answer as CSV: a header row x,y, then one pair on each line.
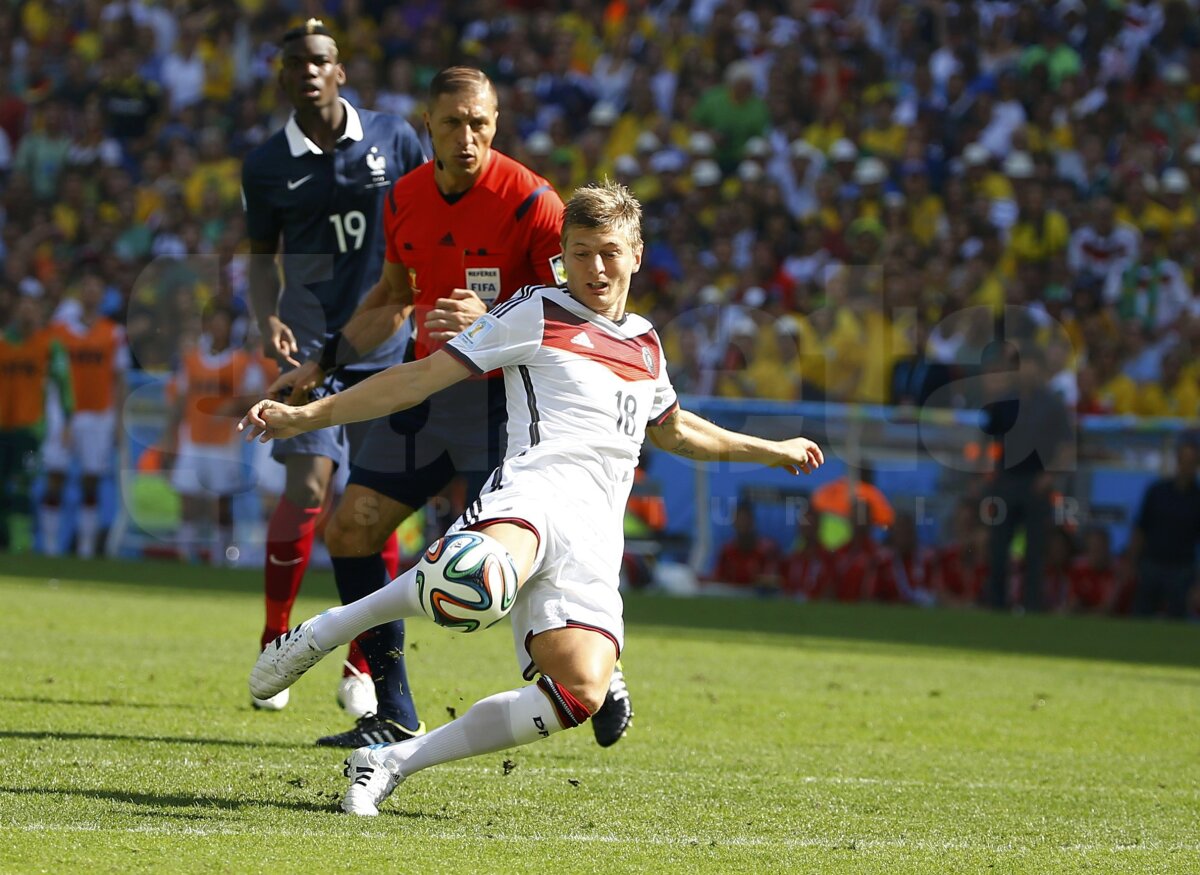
x,y
271,420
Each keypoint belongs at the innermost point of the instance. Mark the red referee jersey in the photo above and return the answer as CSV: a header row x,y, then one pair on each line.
x,y
501,234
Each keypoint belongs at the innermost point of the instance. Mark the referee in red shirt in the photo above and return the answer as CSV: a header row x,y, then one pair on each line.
x,y
464,232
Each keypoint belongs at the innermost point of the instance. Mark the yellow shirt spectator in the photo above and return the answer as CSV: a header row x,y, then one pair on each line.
x,y
1151,216
925,219
884,341
1038,240
1182,399
886,142
1119,395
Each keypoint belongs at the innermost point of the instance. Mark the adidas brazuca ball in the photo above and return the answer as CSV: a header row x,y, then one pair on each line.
x,y
466,581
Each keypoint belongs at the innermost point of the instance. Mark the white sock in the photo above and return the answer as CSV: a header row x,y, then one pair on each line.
x,y
187,540
89,522
343,624
51,520
496,723
224,542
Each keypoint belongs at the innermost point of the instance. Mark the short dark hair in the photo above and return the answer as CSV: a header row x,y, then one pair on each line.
x,y
312,27
455,80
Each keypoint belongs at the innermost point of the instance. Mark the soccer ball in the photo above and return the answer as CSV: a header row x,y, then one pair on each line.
x,y
466,581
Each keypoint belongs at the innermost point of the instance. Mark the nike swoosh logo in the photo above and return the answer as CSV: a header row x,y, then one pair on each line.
x,y
271,558
294,184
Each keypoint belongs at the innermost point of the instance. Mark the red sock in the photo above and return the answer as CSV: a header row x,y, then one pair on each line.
x,y
391,558
289,546
357,660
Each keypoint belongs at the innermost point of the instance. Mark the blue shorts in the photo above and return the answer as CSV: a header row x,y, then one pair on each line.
x,y
340,442
413,455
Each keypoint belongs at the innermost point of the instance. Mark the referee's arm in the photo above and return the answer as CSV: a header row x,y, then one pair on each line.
x,y
382,310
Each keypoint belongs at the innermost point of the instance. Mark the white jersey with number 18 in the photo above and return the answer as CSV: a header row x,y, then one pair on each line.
x,y
581,388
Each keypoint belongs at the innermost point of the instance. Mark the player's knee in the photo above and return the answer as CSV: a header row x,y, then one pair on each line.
x,y
575,700
346,536
467,581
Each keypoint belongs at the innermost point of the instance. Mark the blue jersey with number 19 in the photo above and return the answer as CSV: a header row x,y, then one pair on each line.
x,y
328,208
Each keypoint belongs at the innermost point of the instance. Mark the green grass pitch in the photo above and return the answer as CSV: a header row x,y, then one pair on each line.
x,y
769,737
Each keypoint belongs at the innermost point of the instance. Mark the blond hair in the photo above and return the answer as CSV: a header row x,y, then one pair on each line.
x,y
607,206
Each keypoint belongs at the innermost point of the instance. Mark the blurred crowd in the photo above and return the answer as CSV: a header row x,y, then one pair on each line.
x,y
845,200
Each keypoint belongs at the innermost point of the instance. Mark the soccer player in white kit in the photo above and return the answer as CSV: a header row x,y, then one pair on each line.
x,y
586,383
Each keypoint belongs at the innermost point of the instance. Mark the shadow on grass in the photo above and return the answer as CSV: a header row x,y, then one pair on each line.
x,y
100,703
29,735
161,801
1092,638
1078,637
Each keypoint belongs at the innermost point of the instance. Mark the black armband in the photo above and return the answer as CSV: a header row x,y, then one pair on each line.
x,y
336,354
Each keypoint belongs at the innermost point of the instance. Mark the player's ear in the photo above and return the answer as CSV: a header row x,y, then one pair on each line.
x,y
339,73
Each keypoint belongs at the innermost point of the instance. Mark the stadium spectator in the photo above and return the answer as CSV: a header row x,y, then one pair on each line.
x,y
959,570
35,382
807,572
328,267
1095,580
906,568
1036,438
748,559
1166,534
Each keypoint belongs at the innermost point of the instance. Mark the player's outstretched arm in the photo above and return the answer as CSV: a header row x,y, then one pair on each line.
x,y
397,388
686,434
377,317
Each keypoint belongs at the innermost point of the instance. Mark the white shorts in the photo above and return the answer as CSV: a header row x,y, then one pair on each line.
x,y
91,441
576,572
211,469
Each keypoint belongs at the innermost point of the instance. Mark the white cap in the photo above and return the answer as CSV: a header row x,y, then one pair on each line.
x,y
803,149
975,154
750,171
711,295
756,147
666,161
843,150
647,141
739,70
626,165
755,296
870,171
603,114
787,325
706,172
1175,74
701,143
30,288
1018,165
1192,155
1174,181
539,143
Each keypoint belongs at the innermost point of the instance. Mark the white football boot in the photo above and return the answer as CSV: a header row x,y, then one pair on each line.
x,y
371,781
284,660
356,694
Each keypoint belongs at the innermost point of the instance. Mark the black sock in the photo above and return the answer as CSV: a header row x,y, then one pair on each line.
x,y
383,645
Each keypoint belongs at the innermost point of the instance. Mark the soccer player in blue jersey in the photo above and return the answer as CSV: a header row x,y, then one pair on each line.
x,y
314,196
